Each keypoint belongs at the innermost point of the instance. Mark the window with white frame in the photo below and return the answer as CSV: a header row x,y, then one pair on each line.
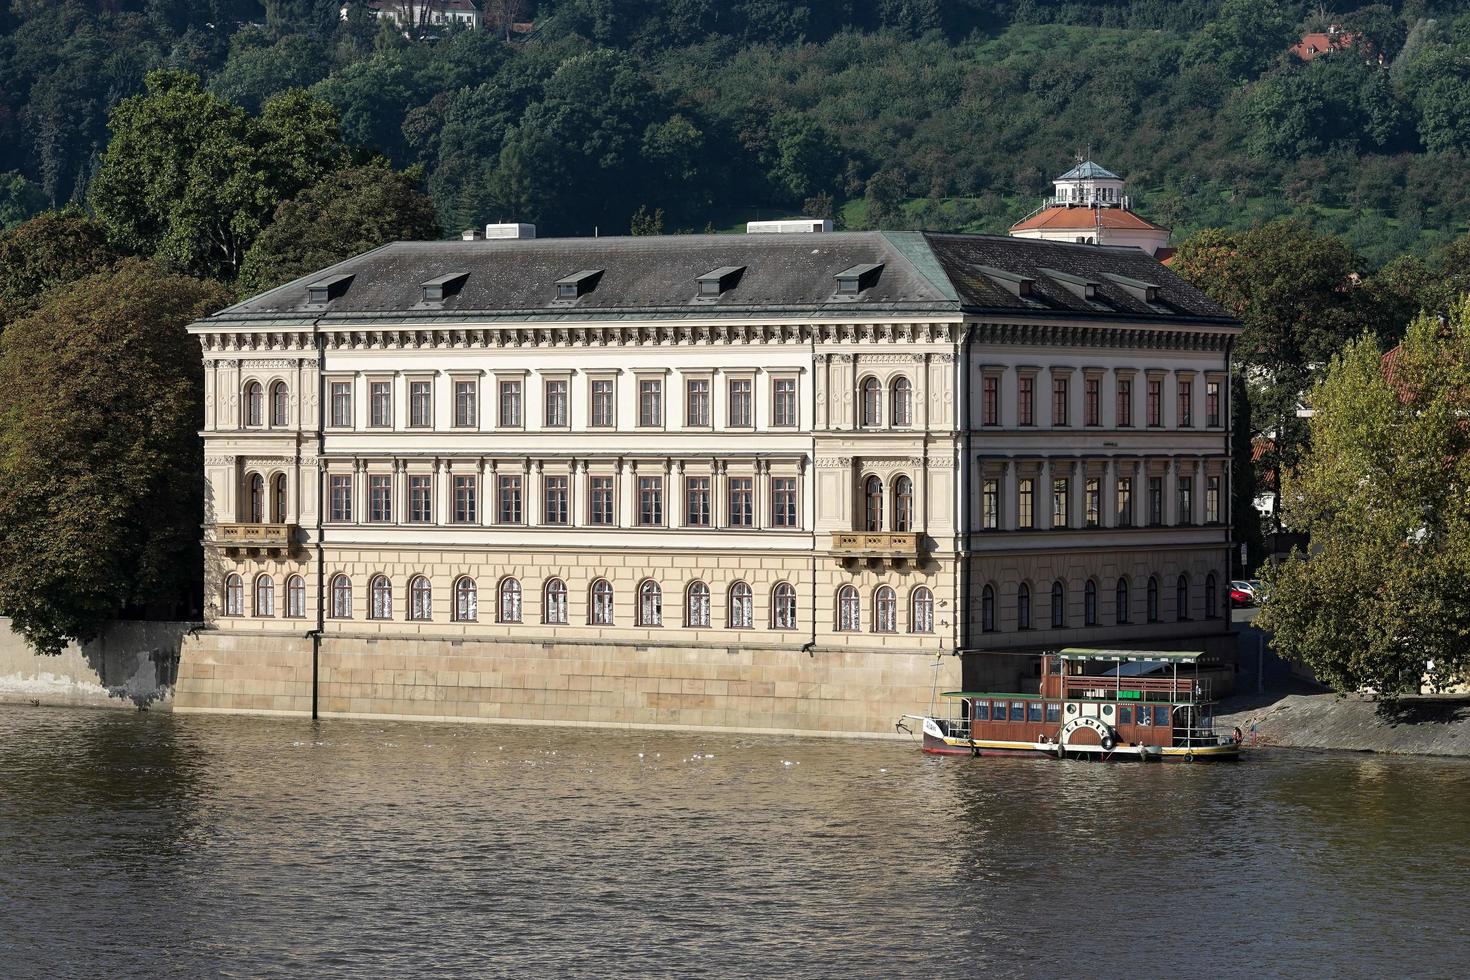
x,y
783,501
510,601
696,501
509,488
921,610
420,599
421,499
510,403
234,595
339,492
650,604
554,602
380,404
742,607
340,394
557,412
555,498
650,402
741,414
420,404
296,597
380,598
466,404
742,506
783,606
696,403
849,610
601,403
783,402
650,501
341,597
696,605
885,610
466,600
602,603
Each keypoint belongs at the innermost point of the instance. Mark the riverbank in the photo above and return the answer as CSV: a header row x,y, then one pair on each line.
x,y
1422,725
130,664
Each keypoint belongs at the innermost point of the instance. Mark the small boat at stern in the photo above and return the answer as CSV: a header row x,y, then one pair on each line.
x,y
1103,705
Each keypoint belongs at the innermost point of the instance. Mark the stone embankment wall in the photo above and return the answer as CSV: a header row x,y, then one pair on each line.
x,y
1416,726
722,688
131,663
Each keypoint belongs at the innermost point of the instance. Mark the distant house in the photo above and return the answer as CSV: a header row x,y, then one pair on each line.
x,y
420,13
1319,43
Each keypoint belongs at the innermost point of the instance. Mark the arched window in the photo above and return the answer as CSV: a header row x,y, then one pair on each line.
x,y
873,504
742,607
466,601
885,610
1120,601
921,610
696,605
278,498
265,595
380,598
903,504
872,392
1089,604
602,603
420,599
509,609
296,597
1023,607
554,602
783,606
1058,605
341,591
1210,596
279,401
255,500
987,609
234,595
1153,599
1181,598
849,610
903,402
254,404
650,604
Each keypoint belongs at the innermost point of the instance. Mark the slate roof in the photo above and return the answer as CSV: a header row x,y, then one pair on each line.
x,y
656,277
1089,170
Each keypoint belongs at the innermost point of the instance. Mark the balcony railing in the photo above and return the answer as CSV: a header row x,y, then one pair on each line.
x,y
867,545
255,535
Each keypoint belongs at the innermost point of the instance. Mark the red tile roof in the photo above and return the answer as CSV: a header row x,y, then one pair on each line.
x,y
1317,42
1085,219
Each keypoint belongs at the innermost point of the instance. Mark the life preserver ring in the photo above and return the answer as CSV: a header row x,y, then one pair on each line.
x,y
1109,742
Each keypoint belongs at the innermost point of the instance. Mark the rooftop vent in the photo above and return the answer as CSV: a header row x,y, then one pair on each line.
x,y
788,226
577,284
1145,291
441,288
1017,285
511,230
852,281
712,284
328,289
1079,287
471,235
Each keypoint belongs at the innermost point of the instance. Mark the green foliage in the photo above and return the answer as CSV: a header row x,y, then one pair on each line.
x,y
253,74
19,200
644,223
1383,493
51,250
100,405
343,214
1244,38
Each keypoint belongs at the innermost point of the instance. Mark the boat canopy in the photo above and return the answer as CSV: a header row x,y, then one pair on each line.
x,y
1127,656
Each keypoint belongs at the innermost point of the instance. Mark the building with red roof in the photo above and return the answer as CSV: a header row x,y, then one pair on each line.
x,y
1088,206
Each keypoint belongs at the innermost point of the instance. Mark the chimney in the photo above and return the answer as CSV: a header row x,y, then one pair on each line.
x,y
510,230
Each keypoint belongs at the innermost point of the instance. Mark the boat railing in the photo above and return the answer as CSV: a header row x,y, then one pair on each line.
x,y
1105,688
1198,735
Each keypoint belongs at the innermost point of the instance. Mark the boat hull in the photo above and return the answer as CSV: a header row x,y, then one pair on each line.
x,y
948,745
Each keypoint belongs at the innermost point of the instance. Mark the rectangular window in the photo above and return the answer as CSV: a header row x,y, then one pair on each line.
x,y
1125,501
465,509
554,496
1186,402
421,404
465,398
1094,502
508,495
1092,401
1186,500
1155,399
742,507
990,403
740,409
1060,494
556,404
650,501
1033,712
1026,503
510,404
1026,400
650,402
1212,404
783,501
342,404
1156,500
602,403
600,501
696,501
380,404
1161,715
341,497
1125,401
1125,714
1212,500
1018,711
982,710
1059,401
380,498
421,499
783,402
990,504
696,403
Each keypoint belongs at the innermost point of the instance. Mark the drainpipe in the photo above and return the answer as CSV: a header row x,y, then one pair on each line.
x,y
321,562
962,499
810,485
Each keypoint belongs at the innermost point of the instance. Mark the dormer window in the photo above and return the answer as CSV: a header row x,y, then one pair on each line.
x,y
439,289
852,281
328,289
1145,291
1019,286
578,284
1084,289
713,284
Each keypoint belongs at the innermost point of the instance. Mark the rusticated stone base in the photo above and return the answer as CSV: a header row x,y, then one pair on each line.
x,y
836,692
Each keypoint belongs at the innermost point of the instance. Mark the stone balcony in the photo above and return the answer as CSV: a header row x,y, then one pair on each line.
x,y
256,539
851,547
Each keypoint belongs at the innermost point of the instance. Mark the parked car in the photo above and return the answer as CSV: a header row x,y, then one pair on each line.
x,y
1244,586
1239,598
1259,592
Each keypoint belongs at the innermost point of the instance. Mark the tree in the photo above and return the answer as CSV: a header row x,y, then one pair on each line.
x,y
1244,38
53,249
100,405
344,214
1384,493
19,199
644,223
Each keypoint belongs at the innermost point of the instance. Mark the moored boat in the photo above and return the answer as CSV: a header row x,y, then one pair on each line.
x,y
1106,705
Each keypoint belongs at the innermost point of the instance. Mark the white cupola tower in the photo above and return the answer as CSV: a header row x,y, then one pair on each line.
x,y
1087,183
1088,207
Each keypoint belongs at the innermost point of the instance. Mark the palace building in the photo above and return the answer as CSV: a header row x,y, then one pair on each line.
x,y
1088,206
759,482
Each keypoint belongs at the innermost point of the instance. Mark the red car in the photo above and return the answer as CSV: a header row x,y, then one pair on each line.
x,y
1240,599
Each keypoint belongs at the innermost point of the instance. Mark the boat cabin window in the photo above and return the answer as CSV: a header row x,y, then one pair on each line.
x,y
1053,712
998,711
1125,714
1161,715
982,710
1018,711
1143,714
1033,711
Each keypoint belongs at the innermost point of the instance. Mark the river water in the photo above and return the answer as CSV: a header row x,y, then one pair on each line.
x,y
183,846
